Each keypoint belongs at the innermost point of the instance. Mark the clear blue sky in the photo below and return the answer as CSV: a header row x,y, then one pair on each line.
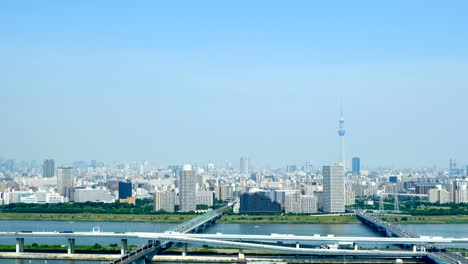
x,y
177,81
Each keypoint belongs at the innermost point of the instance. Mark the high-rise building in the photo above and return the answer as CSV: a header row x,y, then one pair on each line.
x,y
224,192
308,204
350,197
356,166
187,189
164,201
205,198
292,203
257,203
244,166
65,182
393,179
453,171
99,194
333,196
341,133
125,190
291,168
10,165
439,195
48,168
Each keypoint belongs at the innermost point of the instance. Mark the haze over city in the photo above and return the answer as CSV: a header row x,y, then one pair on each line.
x,y
213,81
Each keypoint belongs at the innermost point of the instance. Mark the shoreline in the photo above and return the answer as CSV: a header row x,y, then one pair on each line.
x,y
234,219
200,258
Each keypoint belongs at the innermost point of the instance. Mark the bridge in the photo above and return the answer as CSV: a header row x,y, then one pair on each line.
x,y
298,244
306,245
145,253
438,255
272,238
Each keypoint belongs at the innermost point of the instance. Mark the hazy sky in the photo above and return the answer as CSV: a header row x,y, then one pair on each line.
x,y
178,81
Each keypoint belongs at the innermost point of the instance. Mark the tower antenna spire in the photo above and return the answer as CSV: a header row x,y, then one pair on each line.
x,y
341,133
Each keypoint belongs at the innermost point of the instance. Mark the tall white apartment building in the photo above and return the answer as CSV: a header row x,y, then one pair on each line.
x,y
187,189
333,196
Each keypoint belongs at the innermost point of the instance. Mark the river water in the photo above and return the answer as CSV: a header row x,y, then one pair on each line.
x,y
260,229
444,230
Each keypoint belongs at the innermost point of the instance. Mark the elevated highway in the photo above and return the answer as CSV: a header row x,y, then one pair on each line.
x,y
170,235
239,241
438,255
145,253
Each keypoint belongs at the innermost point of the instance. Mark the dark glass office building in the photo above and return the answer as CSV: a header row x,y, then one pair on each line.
x,y
257,203
356,166
125,190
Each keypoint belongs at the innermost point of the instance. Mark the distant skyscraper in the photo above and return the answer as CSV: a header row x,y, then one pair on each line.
x,y
125,190
356,163
244,165
10,165
291,168
341,133
48,168
453,168
65,182
93,164
187,189
333,189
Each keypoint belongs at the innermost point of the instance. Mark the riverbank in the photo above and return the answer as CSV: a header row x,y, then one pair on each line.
x,y
180,218
200,259
228,219
424,219
159,218
290,219
81,249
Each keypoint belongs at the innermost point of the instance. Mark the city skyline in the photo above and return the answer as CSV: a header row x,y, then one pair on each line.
x,y
178,83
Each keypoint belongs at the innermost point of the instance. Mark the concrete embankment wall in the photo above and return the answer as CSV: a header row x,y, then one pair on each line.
x,y
26,255
202,259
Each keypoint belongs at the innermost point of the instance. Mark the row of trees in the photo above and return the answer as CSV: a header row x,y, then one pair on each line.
x,y
142,206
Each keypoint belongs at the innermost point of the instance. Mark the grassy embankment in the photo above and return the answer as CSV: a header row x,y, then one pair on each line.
x,y
289,219
277,219
176,218
162,218
428,219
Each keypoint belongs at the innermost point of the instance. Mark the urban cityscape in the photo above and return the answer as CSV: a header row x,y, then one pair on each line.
x,y
293,189
334,190
296,188
259,132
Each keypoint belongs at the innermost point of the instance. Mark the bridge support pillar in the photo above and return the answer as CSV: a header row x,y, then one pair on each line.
x,y
71,246
356,246
19,244
184,249
298,245
414,248
241,254
123,246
